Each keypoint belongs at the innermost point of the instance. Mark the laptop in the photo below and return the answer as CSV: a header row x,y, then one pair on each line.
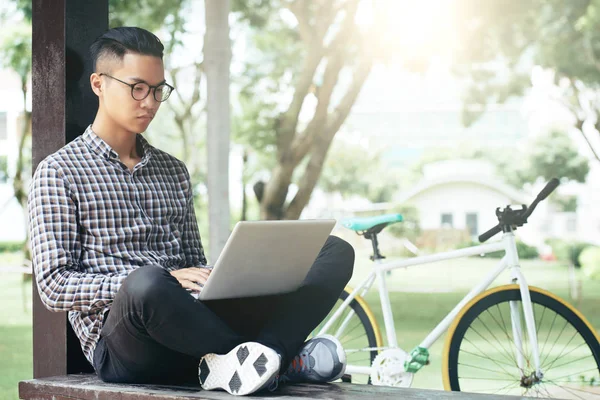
x,y
265,258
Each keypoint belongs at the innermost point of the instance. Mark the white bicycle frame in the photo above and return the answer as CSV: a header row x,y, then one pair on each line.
x,y
509,261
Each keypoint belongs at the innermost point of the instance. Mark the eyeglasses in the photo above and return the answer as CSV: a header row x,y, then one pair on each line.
x,y
141,90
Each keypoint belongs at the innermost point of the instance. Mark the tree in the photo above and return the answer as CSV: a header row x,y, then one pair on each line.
x,y
500,42
217,53
15,54
313,55
350,169
555,155
550,155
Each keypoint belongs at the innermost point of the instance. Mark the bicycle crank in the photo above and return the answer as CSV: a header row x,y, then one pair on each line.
x,y
388,369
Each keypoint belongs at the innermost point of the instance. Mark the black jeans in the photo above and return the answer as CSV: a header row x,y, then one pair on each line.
x,y
156,332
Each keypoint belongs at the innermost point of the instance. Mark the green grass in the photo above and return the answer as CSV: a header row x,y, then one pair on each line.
x,y
16,360
435,289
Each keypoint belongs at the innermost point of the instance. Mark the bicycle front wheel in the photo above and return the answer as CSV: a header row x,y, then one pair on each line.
x,y
481,356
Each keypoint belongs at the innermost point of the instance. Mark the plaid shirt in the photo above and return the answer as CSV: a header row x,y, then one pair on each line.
x,y
93,221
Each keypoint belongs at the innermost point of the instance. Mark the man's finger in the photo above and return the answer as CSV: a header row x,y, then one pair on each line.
x,y
190,285
191,274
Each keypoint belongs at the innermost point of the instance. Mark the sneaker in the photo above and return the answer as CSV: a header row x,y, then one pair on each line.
x,y
246,369
321,359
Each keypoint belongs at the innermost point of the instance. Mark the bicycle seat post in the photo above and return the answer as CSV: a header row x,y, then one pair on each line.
x,y
375,243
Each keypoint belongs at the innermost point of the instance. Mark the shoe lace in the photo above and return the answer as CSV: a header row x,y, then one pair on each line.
x,y
299,364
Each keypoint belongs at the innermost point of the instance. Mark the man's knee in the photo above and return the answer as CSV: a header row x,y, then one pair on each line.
x,y
146,282
344,255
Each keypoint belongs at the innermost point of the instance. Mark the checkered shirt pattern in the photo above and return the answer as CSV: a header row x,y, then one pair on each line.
x,y
93,221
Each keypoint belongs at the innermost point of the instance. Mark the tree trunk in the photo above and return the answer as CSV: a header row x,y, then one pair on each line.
x,y
276,190
310,178
18,184
217,53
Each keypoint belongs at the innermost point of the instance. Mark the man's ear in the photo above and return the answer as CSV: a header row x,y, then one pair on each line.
x,y
96,83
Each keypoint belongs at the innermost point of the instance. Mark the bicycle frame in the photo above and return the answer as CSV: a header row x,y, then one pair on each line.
x,y
509,261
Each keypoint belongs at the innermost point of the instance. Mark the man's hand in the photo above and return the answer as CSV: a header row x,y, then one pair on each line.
x,y
192,278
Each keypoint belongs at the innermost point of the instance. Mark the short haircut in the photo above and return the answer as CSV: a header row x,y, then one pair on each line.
x,y
116,42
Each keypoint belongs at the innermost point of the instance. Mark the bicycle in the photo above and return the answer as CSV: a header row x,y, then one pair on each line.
x,y
511,339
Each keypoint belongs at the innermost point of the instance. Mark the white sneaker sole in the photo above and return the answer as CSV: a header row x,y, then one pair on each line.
x,y
246,369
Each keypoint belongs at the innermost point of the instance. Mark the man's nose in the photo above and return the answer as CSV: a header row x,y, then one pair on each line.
x,y
150,102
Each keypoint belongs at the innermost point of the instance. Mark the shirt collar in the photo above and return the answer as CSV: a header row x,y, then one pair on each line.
x,y
100,147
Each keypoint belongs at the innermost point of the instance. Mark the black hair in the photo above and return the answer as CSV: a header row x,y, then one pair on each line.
x,y
116,42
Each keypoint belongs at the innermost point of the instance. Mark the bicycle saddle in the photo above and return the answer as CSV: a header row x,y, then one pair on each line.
x,y
371,224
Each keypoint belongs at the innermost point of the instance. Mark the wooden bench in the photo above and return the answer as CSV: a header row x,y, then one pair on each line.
x,y
89,387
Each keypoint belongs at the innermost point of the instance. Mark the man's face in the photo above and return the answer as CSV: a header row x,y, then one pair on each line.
x,y
130,114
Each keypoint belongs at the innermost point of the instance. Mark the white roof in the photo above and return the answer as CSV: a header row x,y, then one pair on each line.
x,y
459,176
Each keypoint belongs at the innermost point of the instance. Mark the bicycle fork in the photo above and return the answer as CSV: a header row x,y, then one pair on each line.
x,y
515,313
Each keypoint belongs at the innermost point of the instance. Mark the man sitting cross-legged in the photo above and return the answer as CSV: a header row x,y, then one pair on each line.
x,y
115,243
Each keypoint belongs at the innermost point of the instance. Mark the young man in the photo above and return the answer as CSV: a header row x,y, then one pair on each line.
x,y
115,243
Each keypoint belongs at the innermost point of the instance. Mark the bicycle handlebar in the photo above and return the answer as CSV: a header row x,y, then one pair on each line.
x,y
549,188
485,236
545,192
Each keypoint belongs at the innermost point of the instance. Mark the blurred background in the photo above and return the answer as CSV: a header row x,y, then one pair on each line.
x,y
439,110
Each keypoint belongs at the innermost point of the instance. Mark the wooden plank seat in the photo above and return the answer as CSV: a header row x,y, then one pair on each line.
x,y
89,387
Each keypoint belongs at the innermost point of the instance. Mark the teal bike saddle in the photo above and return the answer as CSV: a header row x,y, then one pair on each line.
x,y
371,224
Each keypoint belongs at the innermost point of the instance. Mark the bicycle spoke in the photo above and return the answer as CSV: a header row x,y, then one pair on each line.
x,y
486,369
538,324
486,379
559,335
512,385
487,358
506,333
576,373
507,351
478,348
562,351
570,390
576,392
549,330
507,388
543,386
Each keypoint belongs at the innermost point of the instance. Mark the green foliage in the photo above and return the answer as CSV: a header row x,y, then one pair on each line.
x,y
525,251
148,14
10,247
551,155
350,170
3,169
15,49
564,203
273,58
590,261
25,7
500,42
555,155
567,251
255,12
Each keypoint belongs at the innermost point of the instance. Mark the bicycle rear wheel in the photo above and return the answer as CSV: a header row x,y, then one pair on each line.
x,y
359,335
480,353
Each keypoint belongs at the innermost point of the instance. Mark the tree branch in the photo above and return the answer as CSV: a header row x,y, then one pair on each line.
x,y
322,142
337,49
300,9
339,115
